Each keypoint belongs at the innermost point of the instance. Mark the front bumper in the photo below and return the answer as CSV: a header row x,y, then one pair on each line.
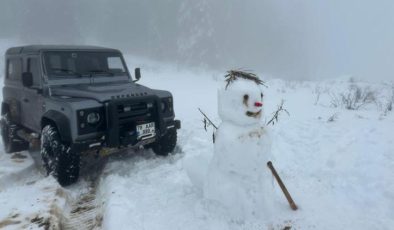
x,y
94,144
98,143
121,124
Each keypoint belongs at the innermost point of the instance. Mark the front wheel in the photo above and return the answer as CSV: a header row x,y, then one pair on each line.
x,y
166,143
58,158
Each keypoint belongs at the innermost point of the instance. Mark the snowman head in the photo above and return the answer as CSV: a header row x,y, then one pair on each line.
x,y
241,100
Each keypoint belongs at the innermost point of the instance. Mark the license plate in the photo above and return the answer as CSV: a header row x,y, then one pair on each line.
x,y
146,131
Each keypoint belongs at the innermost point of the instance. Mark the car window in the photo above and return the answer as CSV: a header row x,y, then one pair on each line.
x,y
66,64
115,64
55,61
33,68
14,69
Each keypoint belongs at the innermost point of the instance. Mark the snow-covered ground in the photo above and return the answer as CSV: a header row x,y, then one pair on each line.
x,y
338,164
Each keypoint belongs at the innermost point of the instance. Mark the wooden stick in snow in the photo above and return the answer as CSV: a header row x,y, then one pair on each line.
x,y
282,186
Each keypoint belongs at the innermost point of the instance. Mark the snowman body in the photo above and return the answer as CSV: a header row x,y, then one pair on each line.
x,y
237,175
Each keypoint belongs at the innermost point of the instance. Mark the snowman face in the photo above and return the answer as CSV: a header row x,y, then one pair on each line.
x,y
253,106
241,103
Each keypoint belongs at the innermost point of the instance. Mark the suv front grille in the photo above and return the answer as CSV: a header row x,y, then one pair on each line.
x,y
125,114
128,112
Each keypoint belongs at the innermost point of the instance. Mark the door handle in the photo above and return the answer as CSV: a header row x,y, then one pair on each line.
x,y
25,100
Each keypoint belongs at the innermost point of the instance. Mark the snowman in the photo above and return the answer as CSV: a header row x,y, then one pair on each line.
x,y
237,177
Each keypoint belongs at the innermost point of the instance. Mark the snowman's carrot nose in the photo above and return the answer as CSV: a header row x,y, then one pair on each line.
x,y
258,104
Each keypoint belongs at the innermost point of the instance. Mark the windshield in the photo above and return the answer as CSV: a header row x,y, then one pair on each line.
x,y
70,64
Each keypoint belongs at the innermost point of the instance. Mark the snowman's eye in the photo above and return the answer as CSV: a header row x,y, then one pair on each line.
x,y
246,98
262,95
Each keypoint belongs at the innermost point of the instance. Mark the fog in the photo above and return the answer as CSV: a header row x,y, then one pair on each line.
x,y
300,39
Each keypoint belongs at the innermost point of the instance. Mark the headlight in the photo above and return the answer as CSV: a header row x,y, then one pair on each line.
x,y
163,106
166,105
93,118
170,104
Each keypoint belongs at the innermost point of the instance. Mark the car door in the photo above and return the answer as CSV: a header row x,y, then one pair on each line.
x,y
12,89
32,98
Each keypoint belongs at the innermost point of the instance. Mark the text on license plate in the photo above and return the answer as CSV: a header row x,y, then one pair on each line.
x,y
145,131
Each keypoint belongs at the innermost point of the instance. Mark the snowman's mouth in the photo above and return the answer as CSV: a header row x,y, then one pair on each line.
x,y
253,114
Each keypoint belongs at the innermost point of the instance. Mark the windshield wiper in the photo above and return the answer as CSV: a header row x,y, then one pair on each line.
x,y
102,71
69,71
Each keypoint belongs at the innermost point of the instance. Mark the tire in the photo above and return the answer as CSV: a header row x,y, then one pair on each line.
x,y
11,142
166,144
58,158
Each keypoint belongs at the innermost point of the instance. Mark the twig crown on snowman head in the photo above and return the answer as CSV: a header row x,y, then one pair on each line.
x,y
233,75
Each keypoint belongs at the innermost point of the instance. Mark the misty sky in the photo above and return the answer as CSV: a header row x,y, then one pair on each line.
x,y
293,39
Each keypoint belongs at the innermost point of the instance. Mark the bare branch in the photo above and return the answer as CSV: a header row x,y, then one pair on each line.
x,y
207,120
205,124
277,113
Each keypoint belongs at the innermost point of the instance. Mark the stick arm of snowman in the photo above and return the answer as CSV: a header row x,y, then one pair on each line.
x,y
282,186
209,120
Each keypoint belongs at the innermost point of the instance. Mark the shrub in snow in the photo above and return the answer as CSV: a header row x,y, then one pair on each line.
x,y
354,97
332,118
389,104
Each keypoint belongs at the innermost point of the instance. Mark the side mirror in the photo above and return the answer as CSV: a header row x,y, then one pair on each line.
x,y
137,74
27,79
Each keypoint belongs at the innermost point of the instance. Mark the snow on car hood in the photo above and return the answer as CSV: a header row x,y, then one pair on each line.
x,y
102,92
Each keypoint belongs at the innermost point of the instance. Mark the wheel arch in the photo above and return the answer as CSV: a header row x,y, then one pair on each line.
x,y
60,121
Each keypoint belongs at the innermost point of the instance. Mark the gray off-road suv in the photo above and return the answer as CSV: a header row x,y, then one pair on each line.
x,y
80,99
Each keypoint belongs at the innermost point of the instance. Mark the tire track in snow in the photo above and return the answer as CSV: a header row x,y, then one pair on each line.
x,y
75,207
84,212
